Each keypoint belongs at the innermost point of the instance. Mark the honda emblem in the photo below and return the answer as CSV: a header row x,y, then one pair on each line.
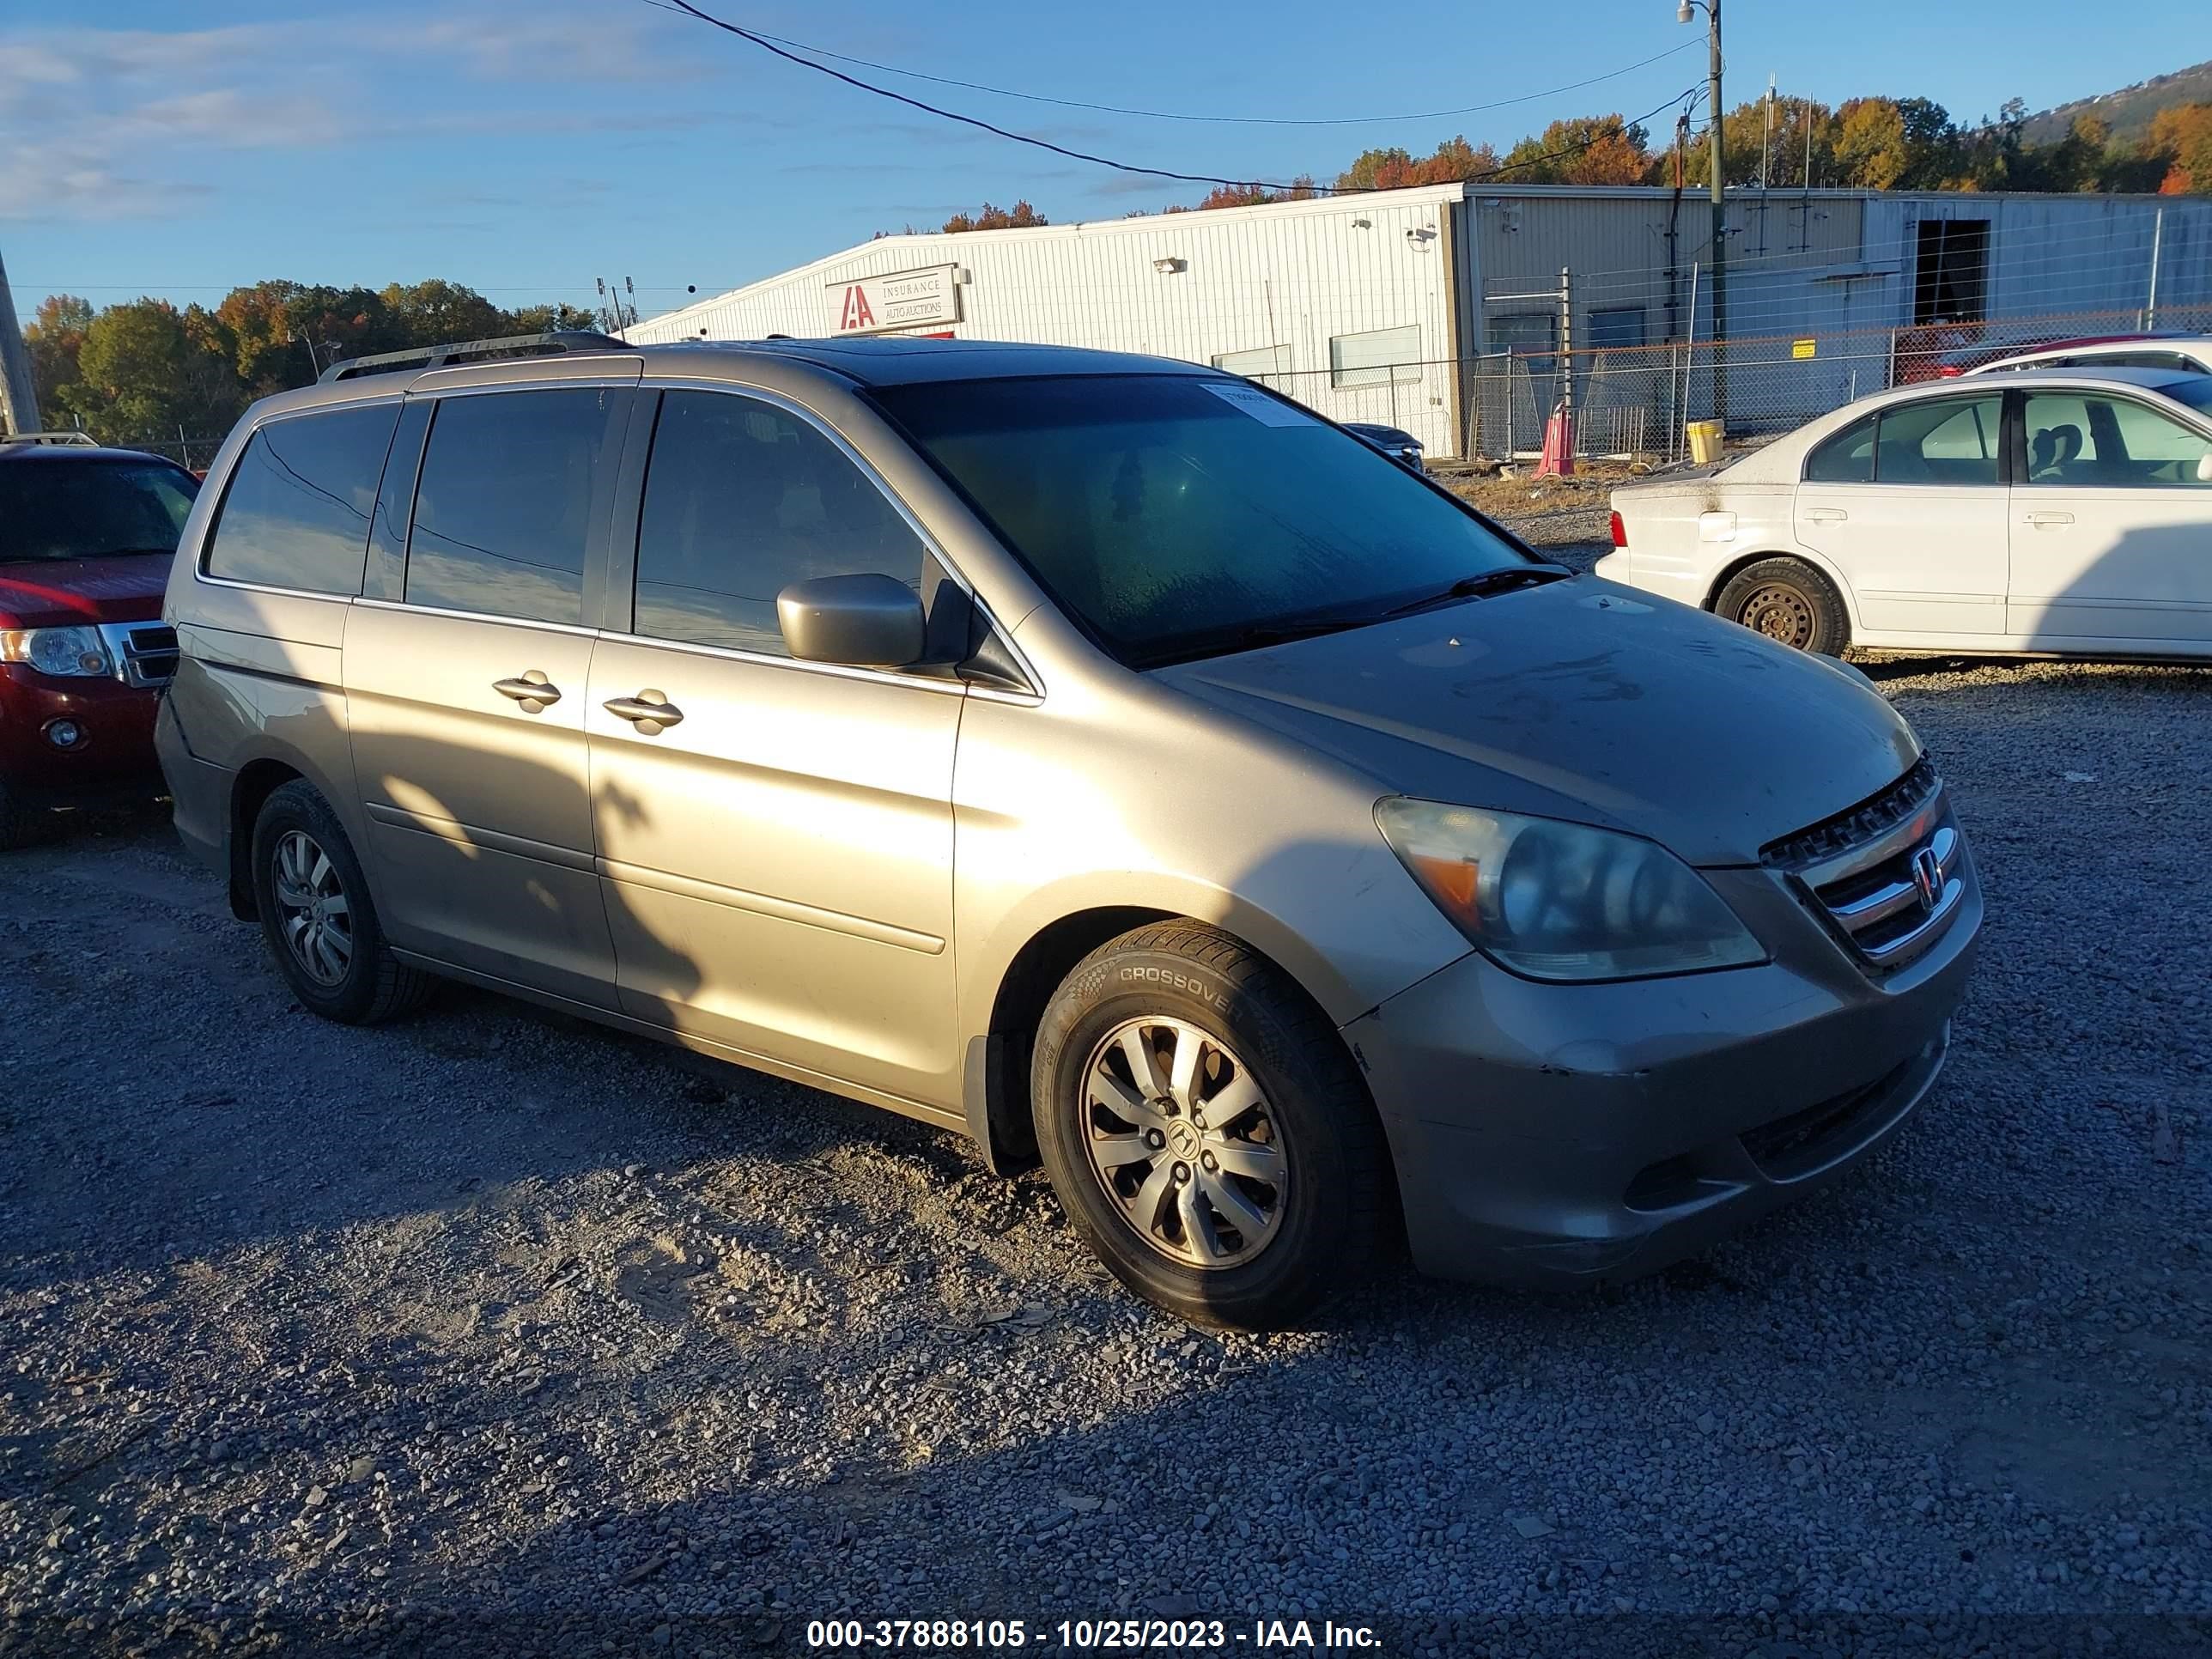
x,y
1928,876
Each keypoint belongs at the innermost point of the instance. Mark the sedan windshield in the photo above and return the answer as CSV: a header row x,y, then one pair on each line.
x,y
72,509
1177,517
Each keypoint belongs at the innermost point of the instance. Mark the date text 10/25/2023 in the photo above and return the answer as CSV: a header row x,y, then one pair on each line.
x,y
995,1636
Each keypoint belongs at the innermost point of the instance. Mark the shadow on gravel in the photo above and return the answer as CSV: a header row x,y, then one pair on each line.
x,y
1884,669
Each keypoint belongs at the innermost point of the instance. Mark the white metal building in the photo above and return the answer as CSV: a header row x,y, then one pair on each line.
x,y
1380,306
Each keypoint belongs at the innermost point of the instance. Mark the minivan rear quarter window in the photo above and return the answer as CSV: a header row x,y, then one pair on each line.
x,y
513,484
1178,517
295,513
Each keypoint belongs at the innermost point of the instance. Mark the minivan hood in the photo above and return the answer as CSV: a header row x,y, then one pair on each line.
x,y
1582,700
59,593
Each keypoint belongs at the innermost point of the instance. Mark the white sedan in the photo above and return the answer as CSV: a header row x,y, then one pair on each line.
x,y
2044,511
2190,354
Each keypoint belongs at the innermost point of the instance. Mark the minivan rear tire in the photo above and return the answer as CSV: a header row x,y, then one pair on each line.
x,y
1788,601
1224,1246
296,836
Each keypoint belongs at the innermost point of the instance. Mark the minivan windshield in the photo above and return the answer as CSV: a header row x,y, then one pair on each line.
x,y
1178,517
54,509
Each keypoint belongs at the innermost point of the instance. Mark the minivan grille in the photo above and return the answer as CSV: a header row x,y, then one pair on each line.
x,y
144,654
1887,877
1868,819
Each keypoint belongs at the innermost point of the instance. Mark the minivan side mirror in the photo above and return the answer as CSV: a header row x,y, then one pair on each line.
x,y
866,621
2205,467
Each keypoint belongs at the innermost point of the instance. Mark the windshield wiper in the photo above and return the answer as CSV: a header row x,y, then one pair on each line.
x,y
1481,587
1262,634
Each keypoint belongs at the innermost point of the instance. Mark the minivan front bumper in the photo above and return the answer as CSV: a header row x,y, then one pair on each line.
x,y
1550,1134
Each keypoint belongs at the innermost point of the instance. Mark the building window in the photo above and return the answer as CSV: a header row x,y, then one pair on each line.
x,y
1533,337
1376,358
1951,282
1619,328
1255,365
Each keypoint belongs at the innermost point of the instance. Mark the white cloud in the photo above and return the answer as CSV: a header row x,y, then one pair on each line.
x,y
144,109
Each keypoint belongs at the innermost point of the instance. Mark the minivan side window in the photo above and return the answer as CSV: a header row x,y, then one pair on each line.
x,y
1847,458
295,513
742,500
512,484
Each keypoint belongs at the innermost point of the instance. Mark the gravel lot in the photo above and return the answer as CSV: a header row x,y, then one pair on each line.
x,y
493,1333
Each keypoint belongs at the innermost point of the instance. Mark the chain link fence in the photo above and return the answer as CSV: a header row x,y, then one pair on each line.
x,y
1631,402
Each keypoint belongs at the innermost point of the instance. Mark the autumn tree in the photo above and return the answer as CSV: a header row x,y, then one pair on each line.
x,y
987,217
2181,137
1300,189
557,317
436,312
1453,159
142,375
54,336
1590,149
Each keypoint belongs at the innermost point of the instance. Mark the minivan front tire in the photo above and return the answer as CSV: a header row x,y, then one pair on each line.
x,y
312,896
1207,1133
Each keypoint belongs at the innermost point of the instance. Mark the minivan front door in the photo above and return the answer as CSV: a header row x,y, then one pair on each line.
x,y
1910,505
777,849
466,696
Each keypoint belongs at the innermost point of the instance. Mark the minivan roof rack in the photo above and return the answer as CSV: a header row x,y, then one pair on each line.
x,y
471,351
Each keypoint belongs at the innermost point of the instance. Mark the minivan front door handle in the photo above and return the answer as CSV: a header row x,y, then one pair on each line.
x,y
650,711
534,691
1826,514
2043,520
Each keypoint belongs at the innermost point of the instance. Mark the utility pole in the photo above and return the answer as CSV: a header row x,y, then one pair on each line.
x,y
19,393
1684,12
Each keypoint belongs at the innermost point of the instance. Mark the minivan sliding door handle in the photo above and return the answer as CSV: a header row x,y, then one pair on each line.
x,y
534,691
650,711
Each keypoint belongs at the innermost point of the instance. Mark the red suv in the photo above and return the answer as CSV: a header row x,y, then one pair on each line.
x,y
86,536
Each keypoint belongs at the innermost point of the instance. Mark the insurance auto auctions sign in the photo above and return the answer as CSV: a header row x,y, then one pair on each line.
x,y
905,298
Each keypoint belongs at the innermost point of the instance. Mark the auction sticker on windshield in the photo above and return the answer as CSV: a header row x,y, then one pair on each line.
x,y
1269,412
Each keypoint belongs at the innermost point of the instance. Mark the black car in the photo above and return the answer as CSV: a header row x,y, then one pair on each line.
x,y
1401,447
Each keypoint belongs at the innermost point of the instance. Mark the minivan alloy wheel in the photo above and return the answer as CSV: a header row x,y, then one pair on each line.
x,y
316,918
1184,1144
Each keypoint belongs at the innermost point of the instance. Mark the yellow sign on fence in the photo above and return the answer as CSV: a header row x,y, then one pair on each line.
x,y
1801,350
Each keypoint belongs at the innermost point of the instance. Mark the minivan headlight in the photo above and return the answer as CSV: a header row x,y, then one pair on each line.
x,y
1559,901
77,653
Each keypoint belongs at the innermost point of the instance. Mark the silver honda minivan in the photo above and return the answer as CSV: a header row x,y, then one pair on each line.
x,y
1098,756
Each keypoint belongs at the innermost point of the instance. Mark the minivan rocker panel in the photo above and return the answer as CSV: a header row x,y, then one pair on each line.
x,y
1293,861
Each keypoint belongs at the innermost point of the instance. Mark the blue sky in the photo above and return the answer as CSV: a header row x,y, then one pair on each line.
x,y
524,146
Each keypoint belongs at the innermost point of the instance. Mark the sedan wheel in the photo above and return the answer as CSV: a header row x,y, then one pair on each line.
x,y
1780,612
1791,603
1184,1144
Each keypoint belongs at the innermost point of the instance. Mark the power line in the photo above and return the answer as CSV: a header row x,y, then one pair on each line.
x,y
767,45
1180,115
